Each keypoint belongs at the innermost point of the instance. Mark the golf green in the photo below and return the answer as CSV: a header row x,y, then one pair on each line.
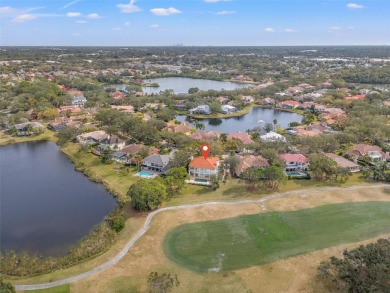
x,y
249,240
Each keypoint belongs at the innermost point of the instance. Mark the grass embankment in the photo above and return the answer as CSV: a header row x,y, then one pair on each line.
x,y
250,240
6,139
59,289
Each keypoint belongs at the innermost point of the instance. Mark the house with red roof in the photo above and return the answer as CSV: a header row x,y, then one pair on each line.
x,y
294,162
201,168
355,97
205,135
243,136
374,152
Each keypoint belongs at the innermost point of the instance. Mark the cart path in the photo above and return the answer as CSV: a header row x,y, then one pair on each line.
x,y
150,217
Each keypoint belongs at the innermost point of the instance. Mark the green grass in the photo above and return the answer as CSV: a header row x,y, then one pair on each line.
x,y
59,289
249,240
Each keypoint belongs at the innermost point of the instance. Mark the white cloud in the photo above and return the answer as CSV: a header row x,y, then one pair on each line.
x,y
93,16
165,11
73,14
81,21
154,26
116,29
215,1
290,30
127,23
269,30
77,35
225,12
354,6
23,18
10,10
70,3
129,8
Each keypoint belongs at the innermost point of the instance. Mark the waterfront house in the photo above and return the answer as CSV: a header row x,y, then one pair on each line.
x,y
250,161
344,163
294,162
272,136
227,109
157,163
98,136
205,135
201,109
28,128
289,104
201,168
268,102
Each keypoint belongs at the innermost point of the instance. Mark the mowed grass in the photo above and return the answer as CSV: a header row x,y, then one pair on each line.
x,y
249,240
59,289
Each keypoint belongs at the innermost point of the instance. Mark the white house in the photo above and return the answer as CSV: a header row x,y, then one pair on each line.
x,y
294,162
201,109
226,109
201,168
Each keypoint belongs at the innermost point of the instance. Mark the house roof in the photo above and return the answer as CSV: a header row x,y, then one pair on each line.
x,y
294,158
250,161
356,97
341,162
96,135
289,102
243,136
135,148
272,136
158,159
211,163
363,149
204,135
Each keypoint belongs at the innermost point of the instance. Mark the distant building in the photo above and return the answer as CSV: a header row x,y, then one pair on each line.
x,y
344,163
227,109
243,136
272,136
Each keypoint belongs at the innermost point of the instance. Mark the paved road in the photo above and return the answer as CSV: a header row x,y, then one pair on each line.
x,y
150,217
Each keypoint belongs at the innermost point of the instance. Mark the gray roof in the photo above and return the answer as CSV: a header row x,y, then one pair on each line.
x,y
158,159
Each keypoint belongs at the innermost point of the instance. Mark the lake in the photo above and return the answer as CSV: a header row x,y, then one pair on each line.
x,y
181,85
45,205
248,121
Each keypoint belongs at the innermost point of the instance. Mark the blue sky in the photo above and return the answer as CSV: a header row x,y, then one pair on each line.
x,y
194,22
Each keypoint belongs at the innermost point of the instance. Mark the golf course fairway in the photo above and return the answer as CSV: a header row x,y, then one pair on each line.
x,y
250,240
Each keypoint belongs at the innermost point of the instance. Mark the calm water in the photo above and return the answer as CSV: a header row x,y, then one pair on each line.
x,y
181,85
248,121
45,205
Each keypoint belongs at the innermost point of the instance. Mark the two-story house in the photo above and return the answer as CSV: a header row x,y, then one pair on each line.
x,y
157,163
294,162
201,168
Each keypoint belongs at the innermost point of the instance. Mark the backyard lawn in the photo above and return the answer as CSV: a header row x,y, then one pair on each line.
x,y
250,240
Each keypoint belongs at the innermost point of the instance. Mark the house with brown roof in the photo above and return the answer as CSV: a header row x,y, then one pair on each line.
x,y
343,162
250,161
125,109
268,102
182,128
118,96
289,104
374,152
243,136
358,97
294,162
201,168
222,100
98,136
205,135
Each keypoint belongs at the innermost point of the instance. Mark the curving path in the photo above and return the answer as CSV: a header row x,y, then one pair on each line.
x,y
148,221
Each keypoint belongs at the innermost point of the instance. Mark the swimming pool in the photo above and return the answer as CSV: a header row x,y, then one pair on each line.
x,y
201,180
145,174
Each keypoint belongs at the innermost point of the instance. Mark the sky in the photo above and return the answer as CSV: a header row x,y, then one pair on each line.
x,y
194,22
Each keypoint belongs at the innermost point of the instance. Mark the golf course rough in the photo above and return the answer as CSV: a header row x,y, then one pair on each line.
x,y
249,240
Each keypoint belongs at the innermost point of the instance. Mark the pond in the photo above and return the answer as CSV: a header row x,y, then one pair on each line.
x,y
248,121
181,85
45,205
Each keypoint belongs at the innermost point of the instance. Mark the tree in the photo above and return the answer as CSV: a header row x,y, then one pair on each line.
x,y
193,90
274,175
66,134
364,269
117,222
6,287
162,283
199,125
214,181
175,179
268,127
106,156
231,163
252,177
322,168
147,194
181,158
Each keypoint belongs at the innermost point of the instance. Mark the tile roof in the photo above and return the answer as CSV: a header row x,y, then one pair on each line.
x,y
210,163
243,136
294,158
250,161
341,162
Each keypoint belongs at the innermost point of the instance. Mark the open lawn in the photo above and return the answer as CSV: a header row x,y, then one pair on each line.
x,y
59,289
249,240
6,139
